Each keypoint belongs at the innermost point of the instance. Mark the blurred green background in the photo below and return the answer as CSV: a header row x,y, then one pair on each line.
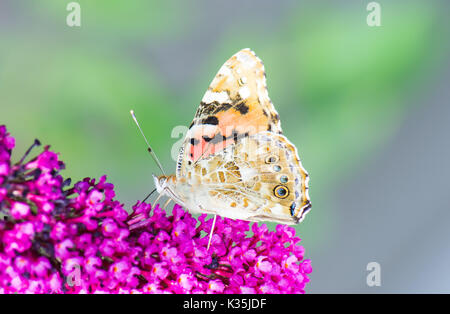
x,y
343,90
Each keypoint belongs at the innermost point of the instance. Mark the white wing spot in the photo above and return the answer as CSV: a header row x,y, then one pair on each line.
x,y
244,92
211,97
247,173
245,58
225,71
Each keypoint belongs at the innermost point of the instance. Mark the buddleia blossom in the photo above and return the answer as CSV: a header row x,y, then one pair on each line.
x,y
58,238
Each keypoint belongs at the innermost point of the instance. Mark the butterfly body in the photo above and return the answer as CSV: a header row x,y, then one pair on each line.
x,y
235,161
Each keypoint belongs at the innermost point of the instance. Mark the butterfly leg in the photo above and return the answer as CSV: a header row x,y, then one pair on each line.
x,y
211,232
157,199
166,203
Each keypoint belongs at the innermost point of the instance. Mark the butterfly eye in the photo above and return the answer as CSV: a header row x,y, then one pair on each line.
x,y
271,159
281,191
277,168
283,179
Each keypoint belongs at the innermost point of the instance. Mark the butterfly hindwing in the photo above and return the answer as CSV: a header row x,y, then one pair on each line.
x,y
259,178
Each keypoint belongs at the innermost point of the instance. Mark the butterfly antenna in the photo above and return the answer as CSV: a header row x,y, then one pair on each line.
x,y
149,148
148,195
211,232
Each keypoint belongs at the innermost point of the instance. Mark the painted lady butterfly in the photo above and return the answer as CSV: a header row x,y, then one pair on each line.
x,y
235,161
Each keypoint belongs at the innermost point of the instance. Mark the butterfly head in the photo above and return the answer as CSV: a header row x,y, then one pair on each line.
x,y
163,183
167,185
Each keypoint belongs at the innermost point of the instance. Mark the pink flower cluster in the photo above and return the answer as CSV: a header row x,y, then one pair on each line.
x,y
60,239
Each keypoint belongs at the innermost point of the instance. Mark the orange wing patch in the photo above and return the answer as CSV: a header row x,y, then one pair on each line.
x,y
236,104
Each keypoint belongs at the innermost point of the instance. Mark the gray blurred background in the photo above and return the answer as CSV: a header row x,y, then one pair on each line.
x,y
367,107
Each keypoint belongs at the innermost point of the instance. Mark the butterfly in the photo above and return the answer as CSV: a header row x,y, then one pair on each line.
x,y
235,161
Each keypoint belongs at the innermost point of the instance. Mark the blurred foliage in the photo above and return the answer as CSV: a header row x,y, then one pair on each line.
x,y
114,20
340,86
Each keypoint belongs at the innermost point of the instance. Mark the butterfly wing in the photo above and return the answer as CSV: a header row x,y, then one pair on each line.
x,y
226,158
235,105
258,178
